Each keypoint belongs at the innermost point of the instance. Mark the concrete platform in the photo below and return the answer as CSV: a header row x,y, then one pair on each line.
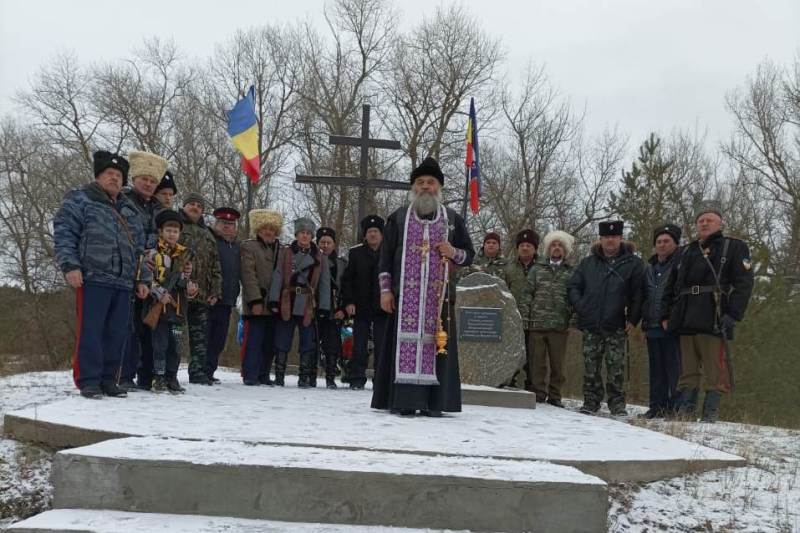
x,y
93,521
329,486
341,419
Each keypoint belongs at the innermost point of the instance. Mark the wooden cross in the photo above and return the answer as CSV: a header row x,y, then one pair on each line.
x,y
363,181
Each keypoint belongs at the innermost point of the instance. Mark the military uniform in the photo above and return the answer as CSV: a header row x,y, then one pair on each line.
x,y
206,273
496,266
550,314
516,277
701,313
606,292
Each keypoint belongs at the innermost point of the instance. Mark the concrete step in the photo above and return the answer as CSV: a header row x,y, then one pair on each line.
x,y
94,521
311,484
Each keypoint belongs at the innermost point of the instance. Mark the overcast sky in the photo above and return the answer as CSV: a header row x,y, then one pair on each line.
x,y
639,64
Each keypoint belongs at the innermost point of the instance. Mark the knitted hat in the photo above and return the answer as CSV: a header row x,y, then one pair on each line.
x,y
304,223
194,197
429,167
529,236
611,227
103,160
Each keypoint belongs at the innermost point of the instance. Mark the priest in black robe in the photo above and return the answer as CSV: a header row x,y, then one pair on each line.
x,y
423,244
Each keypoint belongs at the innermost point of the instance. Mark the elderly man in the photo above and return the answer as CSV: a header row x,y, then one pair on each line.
x,y
362,300
550,313
606,292
707,294
145,172
230,257
259,256
206,273
490,258
421,243
663,348
299,275
99,245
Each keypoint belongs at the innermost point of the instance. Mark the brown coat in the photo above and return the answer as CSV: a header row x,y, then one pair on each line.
x,y
258,263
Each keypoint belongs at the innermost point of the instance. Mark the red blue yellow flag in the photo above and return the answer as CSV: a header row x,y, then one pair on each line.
x,y
243,130
473,161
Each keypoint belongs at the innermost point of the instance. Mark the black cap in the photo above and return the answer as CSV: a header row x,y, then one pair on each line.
x,y
429,167
326,232
168,215
672,230
611,227
167,182
227,213
103,160
529,236
371,221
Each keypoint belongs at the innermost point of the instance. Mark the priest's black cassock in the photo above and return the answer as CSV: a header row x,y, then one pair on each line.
x,y
446,396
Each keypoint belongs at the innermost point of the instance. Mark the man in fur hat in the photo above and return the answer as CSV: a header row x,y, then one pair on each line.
x,y
99,244
259,257
490,258
207,274
145,172
421,243
329,324
550,313
707,294
362,300
299,274
606,291
225,231
516,277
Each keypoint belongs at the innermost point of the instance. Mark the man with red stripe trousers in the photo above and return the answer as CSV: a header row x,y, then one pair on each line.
x,y
99,242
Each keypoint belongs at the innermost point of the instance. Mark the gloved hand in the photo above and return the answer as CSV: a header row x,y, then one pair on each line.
x,y
727,322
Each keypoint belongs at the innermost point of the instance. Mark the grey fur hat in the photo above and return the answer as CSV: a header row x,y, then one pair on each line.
x,y
304,223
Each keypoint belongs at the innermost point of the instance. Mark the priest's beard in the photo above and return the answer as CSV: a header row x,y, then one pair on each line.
x,y
425,203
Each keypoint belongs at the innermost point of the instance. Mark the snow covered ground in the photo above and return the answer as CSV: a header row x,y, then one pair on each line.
x,y
762,496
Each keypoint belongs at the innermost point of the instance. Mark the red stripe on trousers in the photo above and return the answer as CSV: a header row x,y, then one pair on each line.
x,y
724,381
76,368
243,349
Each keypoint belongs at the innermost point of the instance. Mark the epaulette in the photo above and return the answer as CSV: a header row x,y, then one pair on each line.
x,y
357,245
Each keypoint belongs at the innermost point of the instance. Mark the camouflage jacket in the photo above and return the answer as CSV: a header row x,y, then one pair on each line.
x,y
206,271
101,238
518,281
495,266
550,308
147,210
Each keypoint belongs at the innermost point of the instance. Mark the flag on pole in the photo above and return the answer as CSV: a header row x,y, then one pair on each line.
x,y
473,161
243,130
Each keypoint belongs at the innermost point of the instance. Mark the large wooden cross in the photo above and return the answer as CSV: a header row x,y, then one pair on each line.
x,y
362,181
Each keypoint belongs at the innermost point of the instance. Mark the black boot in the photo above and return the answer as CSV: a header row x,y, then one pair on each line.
x,y
92,392
127,385
711,406
302,381
687,404
110,388
174,386
280,368
330,382
312,379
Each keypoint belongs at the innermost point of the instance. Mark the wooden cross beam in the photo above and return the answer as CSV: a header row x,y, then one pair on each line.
x,y
362,181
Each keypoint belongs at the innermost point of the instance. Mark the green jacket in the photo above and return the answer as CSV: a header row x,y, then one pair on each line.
x,y
550,308
206,271
518,282
495,266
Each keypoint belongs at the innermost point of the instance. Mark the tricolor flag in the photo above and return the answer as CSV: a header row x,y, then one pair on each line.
x,y
473,161
243,129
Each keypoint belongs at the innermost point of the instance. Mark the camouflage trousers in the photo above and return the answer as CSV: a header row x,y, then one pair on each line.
x,y
197,319
608,346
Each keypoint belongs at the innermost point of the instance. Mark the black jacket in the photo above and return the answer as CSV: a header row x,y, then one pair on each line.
x,y
230,262
605,293
696,313
656,277
360,282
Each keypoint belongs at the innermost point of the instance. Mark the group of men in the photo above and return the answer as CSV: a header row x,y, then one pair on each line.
x,y
143,271
687,300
